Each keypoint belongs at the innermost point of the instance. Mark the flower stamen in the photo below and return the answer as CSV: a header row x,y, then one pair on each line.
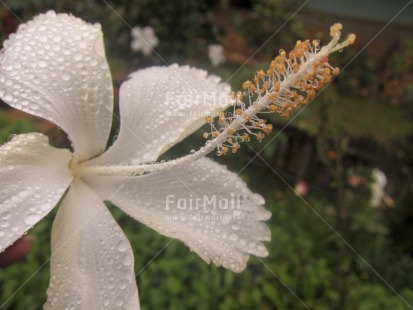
x,y
290,82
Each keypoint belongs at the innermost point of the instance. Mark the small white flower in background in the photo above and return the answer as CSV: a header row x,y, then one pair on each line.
x,y
377,188
216,54
144,40
55,67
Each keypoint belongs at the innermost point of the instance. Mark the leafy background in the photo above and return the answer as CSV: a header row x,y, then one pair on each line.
x,y
330,249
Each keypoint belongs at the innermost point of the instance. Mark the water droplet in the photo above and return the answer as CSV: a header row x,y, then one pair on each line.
x,y
23,193
31,219
5,224
42,64
122,246
8,97
78,57
235,227
5,215
66,77
127,260
119,301
233,237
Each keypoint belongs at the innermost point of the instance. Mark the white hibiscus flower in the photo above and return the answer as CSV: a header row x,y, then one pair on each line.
x,y
216,54
144,40
377,187
55,67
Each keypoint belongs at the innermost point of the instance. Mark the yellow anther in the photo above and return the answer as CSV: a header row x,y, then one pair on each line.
x,y
235,147
246,84
267,128
209,119
273,108
272,96
261,74
296,67
221,118
245,137
351,38
215,134
280,68
260,136
335,29
287,106
336,71
230,131
326,79
206,135
277,87
315,43
238,111
299,53
310,94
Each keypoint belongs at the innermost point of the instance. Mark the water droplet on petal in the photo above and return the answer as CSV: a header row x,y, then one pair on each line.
x,y
5,215
31,219
66,77
78,57
122,246
119,301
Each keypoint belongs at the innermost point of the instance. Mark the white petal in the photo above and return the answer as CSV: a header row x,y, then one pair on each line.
x,y
33,178
55,67
159,107
92,261
223,231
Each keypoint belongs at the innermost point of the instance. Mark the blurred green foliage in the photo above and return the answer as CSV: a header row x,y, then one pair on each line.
x,y
270,23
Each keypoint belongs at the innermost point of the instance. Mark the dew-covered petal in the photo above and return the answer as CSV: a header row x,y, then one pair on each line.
x,y
159,107
92,264
203,204
55,67
33,178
